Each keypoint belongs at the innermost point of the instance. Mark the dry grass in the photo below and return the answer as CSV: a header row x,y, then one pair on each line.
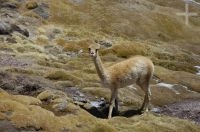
x,y
173,77
63,75
107,17
127,50
152,123
77,45
98,91
42,40
23,71
25,115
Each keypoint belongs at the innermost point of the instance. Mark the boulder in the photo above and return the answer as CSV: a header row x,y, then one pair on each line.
x,y
7,29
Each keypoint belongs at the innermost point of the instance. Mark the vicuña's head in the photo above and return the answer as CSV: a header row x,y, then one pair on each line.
x,y
93,50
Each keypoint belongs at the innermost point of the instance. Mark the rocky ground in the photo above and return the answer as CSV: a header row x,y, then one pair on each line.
x,y
188,109
48,82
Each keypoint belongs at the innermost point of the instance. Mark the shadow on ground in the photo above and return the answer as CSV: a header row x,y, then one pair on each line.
x,y
103,112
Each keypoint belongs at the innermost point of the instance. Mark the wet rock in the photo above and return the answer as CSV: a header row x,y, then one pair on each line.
x,y
155,110
98,104
198,70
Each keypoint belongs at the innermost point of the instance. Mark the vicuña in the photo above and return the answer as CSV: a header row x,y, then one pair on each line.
x,y
137,70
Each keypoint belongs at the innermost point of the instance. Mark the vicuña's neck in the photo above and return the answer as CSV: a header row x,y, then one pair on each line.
x,y
100,68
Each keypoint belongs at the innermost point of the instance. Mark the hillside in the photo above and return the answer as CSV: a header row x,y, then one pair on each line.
x,y
48,82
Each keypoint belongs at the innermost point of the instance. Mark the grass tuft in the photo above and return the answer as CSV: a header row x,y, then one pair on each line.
x,y
63,76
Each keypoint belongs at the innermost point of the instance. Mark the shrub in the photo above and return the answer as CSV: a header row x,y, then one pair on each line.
x,y
31,4
127,50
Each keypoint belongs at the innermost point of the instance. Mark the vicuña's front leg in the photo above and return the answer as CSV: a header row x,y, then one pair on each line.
x,y
116,104
112,102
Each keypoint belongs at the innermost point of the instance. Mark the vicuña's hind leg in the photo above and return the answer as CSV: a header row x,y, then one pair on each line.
x,y
112,102
145,104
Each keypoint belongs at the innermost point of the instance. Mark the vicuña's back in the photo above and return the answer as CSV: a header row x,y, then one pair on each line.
x,y
137,70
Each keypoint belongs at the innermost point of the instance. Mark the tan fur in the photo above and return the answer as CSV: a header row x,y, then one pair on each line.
x,y
137,70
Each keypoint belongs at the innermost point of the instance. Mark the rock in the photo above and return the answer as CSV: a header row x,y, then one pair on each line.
x,y
7,29
28,88
42,10
8,86
106,43
7,126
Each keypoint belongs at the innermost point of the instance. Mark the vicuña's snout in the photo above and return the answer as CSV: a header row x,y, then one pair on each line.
x,y
92,54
